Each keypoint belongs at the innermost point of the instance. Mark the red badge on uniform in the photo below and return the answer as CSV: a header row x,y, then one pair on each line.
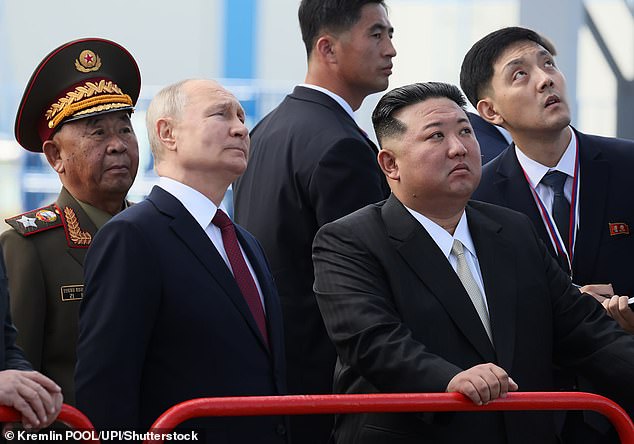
x,y
619,228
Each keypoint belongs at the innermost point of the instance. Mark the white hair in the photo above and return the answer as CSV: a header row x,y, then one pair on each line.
x,y
168,102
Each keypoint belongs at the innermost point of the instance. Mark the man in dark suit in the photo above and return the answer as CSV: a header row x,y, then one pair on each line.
x,y
310,164
490,137
430,292
76,110
511,77
180,303
35,396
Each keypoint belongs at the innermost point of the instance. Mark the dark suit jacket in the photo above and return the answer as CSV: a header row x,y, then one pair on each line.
x,y
11,356
492,142
46,281
163,321
309,164
606,180
402,322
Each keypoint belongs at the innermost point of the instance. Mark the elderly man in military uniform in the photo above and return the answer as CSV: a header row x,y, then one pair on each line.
x,y
76,110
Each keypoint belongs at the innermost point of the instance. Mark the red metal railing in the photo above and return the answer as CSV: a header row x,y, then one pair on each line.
x,y
69,415
402,402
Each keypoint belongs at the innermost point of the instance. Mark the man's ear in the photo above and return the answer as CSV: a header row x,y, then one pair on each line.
x,y
486,109
325,48
53,155
388,164
165,131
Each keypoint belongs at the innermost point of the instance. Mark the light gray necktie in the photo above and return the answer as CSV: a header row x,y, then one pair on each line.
x,y
469,283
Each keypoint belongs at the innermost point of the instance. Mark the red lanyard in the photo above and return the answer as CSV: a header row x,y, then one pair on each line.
x,y
555,237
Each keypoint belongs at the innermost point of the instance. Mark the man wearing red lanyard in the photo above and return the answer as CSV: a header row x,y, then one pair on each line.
x,y
570,184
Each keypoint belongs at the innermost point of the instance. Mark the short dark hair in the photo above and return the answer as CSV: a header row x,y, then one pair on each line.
x,y
331,15
477,67
386,125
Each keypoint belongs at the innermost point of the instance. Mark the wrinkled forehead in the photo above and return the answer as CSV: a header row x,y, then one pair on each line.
x,y
518,50
211,91
225,95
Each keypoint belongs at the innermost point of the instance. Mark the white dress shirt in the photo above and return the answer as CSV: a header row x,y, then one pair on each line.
x,y
203,210
444,240
536,171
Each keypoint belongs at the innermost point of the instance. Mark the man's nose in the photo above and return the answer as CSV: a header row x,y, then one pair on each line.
x,y
116,144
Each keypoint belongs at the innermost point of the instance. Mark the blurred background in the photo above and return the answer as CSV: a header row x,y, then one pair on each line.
x,y
254,48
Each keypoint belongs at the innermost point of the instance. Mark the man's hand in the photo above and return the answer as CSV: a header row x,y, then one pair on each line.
x,y
600,292
617,308
482,383
35,396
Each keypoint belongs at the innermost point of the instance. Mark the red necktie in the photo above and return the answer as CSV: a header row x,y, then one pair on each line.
x,y
241,271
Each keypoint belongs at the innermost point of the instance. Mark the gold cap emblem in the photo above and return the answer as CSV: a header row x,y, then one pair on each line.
x,y
88,61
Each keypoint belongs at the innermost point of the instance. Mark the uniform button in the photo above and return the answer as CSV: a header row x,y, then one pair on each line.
x,y
280,429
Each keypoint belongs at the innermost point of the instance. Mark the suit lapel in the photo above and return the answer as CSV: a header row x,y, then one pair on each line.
x,y
426,260
498,273
516,193
593,193
191,234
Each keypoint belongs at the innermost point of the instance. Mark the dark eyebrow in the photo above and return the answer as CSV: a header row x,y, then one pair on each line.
x,y
513,63
432,125
544,52
521,60
380,27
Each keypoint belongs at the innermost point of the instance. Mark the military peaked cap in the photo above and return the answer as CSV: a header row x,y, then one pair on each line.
x,y
79,79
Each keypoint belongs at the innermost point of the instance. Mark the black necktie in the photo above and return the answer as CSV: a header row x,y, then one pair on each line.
x,y
561,207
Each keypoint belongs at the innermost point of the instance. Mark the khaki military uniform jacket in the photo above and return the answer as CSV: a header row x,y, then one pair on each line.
x,y
44,255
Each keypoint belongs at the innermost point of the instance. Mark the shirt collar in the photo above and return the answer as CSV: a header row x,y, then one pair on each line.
x,y
536,171
198,205
333,96
443,239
